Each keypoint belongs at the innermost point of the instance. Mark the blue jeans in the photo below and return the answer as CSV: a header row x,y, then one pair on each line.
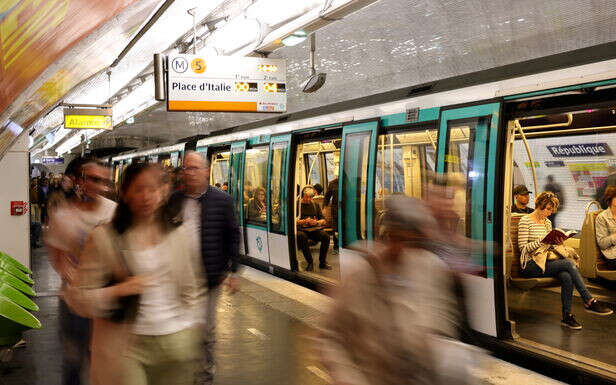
x,y
75,336
568,275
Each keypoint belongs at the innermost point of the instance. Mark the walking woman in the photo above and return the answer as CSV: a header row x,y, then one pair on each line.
x,y
141,285
539,259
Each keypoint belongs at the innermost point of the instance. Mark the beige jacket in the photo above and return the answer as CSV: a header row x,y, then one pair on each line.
x,y
605,229
378,331
99,263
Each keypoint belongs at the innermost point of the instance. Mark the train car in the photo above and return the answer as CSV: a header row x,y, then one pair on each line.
x,y
169,156
546,131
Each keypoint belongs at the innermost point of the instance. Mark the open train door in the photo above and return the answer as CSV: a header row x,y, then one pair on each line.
x,y
467,153
236,177
356,188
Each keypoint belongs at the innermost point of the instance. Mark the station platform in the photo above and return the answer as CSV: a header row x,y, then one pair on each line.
x,y
264,337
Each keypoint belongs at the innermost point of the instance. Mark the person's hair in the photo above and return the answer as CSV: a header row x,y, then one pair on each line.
x,y
306,187
217,184
547,198
225,184
123,217
75,166
318,188
609,194
258,190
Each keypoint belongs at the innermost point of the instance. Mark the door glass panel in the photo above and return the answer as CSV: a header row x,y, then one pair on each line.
x,y
332,164
219,170
404,162
313,169
456,167
355,181
255,182
236,164
278,159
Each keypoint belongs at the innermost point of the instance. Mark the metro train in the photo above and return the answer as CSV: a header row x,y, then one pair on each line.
x,y
496,134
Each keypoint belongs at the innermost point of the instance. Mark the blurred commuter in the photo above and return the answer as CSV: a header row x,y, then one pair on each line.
x,y
140,282
69,226
210,217
521,197
217,185
225,187
605,228
310,228
396,309
539,259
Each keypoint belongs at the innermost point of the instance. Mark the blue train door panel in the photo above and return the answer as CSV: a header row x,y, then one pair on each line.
x,y
278,201
356,187
236,176
467,153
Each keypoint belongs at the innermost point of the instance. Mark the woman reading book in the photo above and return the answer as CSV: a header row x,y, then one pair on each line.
x,y
540,259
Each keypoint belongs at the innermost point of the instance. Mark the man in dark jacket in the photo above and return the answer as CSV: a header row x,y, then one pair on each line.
x,y
209,215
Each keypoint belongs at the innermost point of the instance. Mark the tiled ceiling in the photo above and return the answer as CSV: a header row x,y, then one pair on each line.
x,y
397,43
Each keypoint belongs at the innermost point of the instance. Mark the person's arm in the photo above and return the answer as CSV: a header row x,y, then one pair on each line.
x,y
605,240
524,234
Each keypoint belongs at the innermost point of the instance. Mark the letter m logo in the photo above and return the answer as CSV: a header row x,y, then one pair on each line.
x,y
179,65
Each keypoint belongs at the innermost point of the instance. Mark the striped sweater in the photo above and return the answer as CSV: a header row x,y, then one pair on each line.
x,y
530,235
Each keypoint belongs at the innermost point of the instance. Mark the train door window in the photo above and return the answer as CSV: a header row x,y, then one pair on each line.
x,y
255,182
404,162
457,161
332,165
355,183
219,169
278,158
314,158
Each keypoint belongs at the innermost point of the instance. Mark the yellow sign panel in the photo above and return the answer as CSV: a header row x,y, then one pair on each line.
x,y
99,122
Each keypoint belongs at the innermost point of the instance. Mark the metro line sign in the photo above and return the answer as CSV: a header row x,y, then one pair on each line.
x,y
226,83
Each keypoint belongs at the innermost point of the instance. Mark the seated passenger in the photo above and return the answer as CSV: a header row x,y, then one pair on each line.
x,y
521,196
318,197
605,228
257,210
543,260
310,227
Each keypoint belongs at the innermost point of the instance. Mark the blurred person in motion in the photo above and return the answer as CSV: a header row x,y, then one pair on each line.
x,y
331,202
557,189
210,218
396,311
609,181
69,225
140,282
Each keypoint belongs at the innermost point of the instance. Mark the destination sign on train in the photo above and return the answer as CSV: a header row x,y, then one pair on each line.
x,y
226,83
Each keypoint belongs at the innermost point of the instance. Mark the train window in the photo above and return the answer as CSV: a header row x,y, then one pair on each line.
x,y
403,163
255,182
355,181
278,157
219,169
313,169
457,162
332,164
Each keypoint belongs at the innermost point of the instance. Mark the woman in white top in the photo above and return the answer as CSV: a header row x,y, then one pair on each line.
x,y
142,285
532,229
605,228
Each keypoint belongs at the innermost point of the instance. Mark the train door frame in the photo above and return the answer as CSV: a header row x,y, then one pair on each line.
x,y
333,131
238,149
280,240
256,236
481,290
345,224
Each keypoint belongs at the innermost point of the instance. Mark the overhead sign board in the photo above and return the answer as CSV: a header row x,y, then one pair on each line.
x,y
226,83
88,118
52,160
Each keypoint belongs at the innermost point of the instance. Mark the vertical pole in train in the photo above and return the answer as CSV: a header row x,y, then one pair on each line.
x,y
193,12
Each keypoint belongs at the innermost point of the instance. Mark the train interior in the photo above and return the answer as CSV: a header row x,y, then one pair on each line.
x,y
316,165
570,154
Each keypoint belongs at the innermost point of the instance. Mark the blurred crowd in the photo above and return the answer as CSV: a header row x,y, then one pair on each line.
x,y
143,268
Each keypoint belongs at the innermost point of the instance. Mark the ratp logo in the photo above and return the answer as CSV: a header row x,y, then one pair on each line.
x,y
179,65
260,244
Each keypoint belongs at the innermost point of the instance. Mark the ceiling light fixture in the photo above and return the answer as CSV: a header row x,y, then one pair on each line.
x,y
295,38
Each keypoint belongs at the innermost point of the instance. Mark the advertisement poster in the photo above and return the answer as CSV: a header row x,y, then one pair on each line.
x,y
588,177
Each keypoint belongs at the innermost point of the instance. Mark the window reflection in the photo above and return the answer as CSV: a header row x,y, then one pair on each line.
x,y
278,156
255,182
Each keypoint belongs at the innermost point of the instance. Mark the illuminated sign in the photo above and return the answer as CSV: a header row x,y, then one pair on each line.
x,y
225,83
84,118
579,150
